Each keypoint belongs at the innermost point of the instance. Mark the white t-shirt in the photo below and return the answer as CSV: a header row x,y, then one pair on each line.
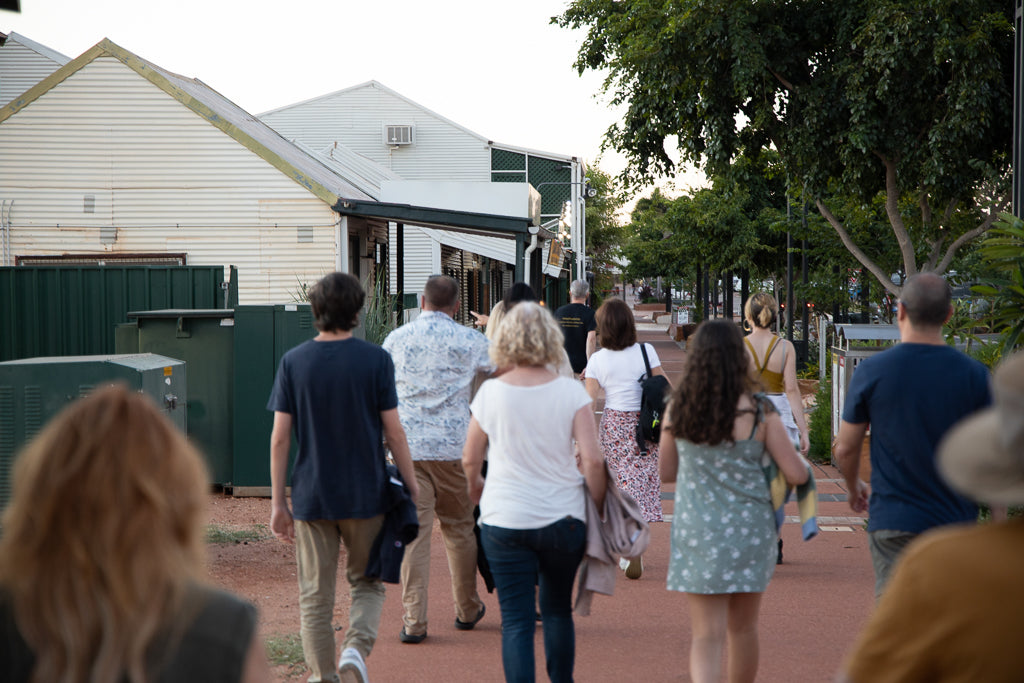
x,y
619,372
532,479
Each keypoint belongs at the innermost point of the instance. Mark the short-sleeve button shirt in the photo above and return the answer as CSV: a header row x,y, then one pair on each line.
x,y
435,361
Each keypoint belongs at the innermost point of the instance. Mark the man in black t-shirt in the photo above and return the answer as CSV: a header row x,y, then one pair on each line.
x,y
337,394
578,326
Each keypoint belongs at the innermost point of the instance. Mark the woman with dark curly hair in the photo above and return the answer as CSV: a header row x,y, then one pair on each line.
x,y
617,369
714,436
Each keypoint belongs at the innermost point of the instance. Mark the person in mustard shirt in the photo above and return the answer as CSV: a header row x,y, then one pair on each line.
x,y
951,613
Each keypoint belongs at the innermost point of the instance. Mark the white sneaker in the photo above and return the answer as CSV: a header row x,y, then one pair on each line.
x,y
623,563
351,667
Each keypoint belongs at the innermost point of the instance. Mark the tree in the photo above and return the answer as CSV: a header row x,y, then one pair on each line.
x,y
862,99
647,249
604,232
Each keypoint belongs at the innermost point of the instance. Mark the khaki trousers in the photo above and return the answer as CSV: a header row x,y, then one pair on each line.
x,y
317,545
443,492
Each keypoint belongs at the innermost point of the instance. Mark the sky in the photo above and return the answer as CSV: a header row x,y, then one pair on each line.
x,y
498,68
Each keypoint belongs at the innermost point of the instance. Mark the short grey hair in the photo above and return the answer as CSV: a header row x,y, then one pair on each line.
x,y
579,289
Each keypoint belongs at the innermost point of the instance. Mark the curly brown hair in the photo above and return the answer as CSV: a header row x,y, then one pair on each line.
x,y
714,378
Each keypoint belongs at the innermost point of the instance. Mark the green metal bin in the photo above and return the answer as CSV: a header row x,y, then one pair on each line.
x,y
33,390
203,338
232,355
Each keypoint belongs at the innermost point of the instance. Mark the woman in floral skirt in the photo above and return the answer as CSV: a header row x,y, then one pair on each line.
x,y
617,369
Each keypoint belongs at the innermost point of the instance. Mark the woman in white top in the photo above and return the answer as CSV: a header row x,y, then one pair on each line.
x,y
532,514
617,368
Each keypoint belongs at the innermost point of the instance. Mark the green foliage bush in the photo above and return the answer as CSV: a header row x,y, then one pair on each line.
x,y
819,423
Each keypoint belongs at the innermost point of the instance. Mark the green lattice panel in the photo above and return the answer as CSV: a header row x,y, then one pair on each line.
x,y
543,170
504,160
508,177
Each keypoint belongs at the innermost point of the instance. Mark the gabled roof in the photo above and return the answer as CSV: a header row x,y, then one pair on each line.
x,y
380,86
221,112
38,48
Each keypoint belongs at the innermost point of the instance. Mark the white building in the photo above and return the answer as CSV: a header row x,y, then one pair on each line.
x,y
112,159
433,161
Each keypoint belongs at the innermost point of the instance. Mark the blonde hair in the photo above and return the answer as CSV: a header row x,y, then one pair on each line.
x,y
761,309
527,335
104,531
494,319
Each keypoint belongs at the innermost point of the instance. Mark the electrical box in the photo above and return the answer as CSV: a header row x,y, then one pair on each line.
x,y
33,390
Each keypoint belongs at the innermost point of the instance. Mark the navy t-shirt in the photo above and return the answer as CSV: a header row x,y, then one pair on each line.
x,y
335,392
577,321
912,394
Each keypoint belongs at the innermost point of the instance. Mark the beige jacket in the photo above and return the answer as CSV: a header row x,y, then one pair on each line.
x,y
620,531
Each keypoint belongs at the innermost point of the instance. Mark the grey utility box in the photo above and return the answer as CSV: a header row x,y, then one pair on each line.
x,y
854,343
33,390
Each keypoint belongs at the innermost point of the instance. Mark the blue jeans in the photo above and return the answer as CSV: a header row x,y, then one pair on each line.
x,y
520,559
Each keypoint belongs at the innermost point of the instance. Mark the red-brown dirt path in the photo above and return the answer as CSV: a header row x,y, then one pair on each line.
x,y
813,608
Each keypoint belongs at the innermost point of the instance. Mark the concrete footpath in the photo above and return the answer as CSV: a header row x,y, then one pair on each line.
x,y
815,605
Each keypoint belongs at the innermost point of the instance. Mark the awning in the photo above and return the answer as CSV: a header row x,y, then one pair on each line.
x,y
444,219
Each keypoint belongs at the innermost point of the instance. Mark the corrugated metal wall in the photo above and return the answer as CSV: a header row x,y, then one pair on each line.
x,y
422,259
165,178
72,311
20,69
355,118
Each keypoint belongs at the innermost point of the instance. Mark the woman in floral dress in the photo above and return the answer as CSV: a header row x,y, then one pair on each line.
x,y
713,439
617,369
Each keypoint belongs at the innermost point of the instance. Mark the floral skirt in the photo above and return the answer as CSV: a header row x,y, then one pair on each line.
x,y
635,474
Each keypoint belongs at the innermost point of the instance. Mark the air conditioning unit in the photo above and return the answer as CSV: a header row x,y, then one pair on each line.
x,y
398,135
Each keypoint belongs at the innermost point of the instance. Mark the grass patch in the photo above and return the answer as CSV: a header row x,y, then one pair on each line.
x,y
286,650
223,535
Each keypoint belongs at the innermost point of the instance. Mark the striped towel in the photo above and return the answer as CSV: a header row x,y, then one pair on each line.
x,y
806,499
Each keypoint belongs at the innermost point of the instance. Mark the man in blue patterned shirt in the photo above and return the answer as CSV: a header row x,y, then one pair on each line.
x,y
436,360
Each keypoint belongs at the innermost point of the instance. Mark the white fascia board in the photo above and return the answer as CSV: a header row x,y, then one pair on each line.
x,y
498,199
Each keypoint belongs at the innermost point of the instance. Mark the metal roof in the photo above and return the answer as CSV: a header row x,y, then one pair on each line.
x,y
859,332
363,172
38,48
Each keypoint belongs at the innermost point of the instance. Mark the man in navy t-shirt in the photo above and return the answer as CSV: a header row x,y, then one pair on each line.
x,y
338,394
910,395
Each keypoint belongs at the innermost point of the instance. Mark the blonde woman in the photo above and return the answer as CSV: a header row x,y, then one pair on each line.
x,y
773,364
532,512
101,559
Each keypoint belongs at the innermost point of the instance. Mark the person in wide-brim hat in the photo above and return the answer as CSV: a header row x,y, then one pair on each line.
x,y
983,457
952,610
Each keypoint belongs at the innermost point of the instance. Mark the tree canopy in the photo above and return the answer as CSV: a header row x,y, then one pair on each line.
x,y
864,100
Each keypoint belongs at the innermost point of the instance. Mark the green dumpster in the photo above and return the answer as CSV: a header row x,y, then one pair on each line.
x,y
232,355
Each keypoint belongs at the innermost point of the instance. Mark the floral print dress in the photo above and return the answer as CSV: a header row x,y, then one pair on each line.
x,y
723,529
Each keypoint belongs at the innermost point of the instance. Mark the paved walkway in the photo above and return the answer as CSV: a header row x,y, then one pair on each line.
x,y
812,609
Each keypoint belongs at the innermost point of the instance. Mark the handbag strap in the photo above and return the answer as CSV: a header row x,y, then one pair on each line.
x,y
647,363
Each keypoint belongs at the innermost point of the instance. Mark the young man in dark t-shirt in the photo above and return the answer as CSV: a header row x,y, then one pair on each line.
x,y
338,394
578,326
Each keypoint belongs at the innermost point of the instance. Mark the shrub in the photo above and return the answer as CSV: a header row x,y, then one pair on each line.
x,y
819,424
